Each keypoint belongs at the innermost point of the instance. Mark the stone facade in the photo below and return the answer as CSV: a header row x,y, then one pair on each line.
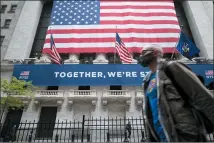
x,y
19,39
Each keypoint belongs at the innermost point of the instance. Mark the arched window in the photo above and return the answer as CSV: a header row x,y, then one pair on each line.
x,y
41,30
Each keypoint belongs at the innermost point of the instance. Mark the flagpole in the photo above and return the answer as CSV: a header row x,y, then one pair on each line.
x,y
176,44
115,46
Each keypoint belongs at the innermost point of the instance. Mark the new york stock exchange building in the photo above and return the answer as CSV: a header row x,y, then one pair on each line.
x,y
92,96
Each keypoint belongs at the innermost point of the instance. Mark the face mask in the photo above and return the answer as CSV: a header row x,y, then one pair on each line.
x,y
146,58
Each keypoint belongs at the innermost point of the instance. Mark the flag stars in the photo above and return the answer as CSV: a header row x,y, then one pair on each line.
x,y
69,12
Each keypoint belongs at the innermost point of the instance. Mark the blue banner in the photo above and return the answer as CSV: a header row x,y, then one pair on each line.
x,y
94,75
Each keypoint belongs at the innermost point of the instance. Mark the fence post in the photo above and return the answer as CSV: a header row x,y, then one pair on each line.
x,y
88,138
126,138
83,124
30,136
7,132
143,139
72,138
108,137
13,134
57,138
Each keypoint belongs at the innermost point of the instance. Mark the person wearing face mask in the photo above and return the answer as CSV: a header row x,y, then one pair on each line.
x,y
178,107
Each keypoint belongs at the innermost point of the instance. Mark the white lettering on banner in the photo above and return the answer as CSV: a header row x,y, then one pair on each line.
x,y
62,74
78,74
128,74
119,74
56,74
122,74
143,74
111,74
81,74
69,74
98,74
209,76
134,74
75,74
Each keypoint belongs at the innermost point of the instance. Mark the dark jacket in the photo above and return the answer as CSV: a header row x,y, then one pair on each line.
x,y
183,104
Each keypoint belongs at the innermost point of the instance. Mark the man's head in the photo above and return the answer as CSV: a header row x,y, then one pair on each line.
x,y
149,56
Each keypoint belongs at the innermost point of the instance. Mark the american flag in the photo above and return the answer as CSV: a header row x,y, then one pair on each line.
x,y
209,72
54,55
80,26
25,73
122,51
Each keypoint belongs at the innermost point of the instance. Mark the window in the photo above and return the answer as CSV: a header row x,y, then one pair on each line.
x,y
52,88
39,39
2,39
12,9
84,88
113,59
45,126
3,8
86,58
64,56
7,23
115,89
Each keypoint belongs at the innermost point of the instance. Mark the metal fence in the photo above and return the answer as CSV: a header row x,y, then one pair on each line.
x,y
84,130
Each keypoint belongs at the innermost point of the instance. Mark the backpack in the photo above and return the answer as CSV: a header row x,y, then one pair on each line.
x,y
195,91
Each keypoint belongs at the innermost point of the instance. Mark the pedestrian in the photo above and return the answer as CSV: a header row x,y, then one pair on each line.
x,y
178,107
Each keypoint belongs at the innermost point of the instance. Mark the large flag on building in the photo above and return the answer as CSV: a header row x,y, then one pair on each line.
x,y
54,55
122,51
89,26
186,47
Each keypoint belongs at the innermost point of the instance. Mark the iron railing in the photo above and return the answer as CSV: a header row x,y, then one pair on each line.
x,y
83,130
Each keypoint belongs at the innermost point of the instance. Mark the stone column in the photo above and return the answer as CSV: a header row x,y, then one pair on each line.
x,y
73,59
44,59
24,33
201,26
100,59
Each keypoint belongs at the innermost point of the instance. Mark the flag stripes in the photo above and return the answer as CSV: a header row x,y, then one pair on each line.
x,y
139,23
54,55
122,51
